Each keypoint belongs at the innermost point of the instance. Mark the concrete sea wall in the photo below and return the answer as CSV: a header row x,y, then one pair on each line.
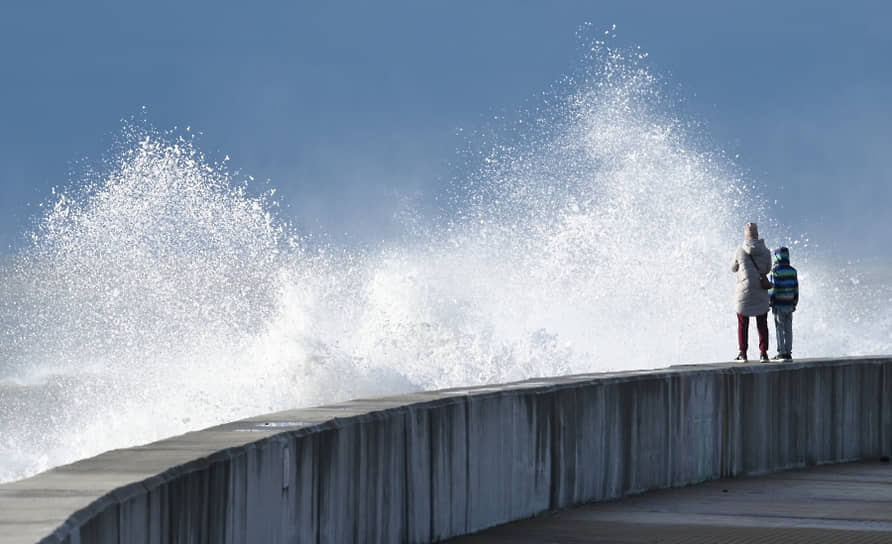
x,y
428,466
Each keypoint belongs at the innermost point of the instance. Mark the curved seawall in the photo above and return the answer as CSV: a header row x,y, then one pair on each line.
x,y
428,466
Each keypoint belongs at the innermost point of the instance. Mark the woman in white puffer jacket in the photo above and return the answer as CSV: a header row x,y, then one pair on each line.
x,y
751,260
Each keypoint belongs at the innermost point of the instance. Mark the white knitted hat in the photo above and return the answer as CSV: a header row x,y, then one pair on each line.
x,y
751,231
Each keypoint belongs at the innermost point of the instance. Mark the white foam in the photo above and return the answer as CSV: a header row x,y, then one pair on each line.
x,y
161,298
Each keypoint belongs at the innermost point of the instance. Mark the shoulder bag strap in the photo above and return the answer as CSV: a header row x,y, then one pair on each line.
x,y
759,272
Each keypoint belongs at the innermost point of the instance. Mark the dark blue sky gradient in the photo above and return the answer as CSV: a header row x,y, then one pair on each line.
x,y
344,105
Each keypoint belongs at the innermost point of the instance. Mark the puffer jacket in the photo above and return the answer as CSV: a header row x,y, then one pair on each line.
x,y
749,296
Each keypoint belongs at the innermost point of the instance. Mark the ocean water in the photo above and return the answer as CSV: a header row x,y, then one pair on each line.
x,y
158,296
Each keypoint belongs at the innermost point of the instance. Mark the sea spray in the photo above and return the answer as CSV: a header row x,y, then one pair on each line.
x,y
134,289
162,296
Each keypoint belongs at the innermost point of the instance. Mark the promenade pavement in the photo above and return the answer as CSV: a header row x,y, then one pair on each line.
x,y
848,503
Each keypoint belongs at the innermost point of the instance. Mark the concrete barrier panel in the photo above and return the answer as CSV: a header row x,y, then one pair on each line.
x,y
429,466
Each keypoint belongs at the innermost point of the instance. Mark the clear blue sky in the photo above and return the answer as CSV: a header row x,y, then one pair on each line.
x,y
342,104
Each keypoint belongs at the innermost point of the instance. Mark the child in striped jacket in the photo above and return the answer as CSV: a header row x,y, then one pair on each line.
x,y
784,298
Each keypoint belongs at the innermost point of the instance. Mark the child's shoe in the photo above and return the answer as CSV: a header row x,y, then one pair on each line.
x,y
741,357
763,357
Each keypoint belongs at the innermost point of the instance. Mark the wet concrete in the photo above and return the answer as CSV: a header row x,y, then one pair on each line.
x,y
849,503
434,465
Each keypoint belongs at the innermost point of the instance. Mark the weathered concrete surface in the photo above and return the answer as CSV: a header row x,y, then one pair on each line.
x,y
429,466
850,503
